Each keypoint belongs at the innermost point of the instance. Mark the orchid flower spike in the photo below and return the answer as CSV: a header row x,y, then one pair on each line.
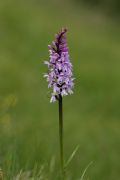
x,y
59,76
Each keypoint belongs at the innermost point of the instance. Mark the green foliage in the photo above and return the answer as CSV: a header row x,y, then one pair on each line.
x,y
111,6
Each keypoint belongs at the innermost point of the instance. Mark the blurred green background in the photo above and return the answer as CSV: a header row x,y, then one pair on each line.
x,y
28,122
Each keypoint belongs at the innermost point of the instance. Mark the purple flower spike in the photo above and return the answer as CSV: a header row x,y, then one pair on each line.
x,y
59,76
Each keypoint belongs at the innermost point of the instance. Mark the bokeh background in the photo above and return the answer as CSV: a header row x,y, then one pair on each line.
x,y
28,122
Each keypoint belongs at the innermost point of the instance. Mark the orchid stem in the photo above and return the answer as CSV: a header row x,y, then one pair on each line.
x,y
61,136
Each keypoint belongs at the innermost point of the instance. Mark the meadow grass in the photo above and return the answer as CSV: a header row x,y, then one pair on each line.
x,y
28,122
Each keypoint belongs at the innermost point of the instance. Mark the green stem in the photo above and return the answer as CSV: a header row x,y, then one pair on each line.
x,y
61,136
